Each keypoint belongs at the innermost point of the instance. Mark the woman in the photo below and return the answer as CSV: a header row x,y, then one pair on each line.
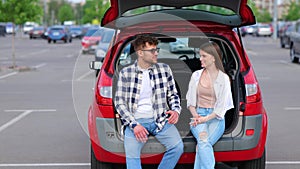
x,y
208,99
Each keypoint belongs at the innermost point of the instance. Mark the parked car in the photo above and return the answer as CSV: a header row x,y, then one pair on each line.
x,y
76,32
244,141
9,28
37,32
180,46
263,30
28,26
2,29
103,45
284,34
106,37
295,43
91,39
59,33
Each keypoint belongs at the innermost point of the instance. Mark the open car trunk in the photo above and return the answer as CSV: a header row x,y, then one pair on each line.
x,y
184,61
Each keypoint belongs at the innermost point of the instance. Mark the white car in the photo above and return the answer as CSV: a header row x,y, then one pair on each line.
x,y
264,30
28,26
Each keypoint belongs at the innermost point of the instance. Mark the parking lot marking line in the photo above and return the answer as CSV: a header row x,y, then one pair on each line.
x,y
8,75
45,164
34,53
34,110
40,65
85,75
292,108
282,162
21,116
14,120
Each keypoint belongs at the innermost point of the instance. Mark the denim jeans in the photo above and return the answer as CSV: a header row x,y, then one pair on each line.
x,y
207,134
168,136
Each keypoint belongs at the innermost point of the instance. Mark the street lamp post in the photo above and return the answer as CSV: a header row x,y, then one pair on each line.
x,y
275,6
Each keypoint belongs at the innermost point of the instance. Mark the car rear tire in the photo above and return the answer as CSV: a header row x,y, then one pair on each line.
x,y
259,163
293,58
281,43
95,164
49,41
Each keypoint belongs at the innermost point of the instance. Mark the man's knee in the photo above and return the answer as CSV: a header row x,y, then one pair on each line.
x,y
203,136
179,147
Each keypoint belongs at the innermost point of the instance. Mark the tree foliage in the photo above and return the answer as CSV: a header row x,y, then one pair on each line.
x,y
260,15
94,9
293,12
65,13
20,11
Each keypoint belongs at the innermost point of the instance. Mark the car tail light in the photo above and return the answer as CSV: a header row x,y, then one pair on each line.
x,y
252,93
250,132
104,89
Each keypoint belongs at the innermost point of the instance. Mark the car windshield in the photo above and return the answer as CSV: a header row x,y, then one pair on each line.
x,y
210,8
182,52
75,29
57,29
93,32
38,28
107,36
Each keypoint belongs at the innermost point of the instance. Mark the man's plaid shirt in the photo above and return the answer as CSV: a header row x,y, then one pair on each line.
x,y
164,95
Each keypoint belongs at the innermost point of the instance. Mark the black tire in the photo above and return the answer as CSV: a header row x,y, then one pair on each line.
x,y
259,163
282,45
54,41
49,41
293,58
95,164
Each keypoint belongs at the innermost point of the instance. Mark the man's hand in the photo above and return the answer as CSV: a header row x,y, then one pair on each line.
x,y
141,133
173,119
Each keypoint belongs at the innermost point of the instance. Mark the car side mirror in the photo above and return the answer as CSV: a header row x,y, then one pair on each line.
x,y
95,65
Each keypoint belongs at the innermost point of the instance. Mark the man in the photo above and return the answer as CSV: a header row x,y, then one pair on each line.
x,y
148,103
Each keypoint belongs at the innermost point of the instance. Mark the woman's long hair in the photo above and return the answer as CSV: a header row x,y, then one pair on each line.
x,y
213,49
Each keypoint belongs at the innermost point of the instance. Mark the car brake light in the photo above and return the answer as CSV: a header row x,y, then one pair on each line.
x,y
252,93
104,89
249,132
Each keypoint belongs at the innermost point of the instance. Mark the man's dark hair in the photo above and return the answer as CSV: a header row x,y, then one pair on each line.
x,y
141,40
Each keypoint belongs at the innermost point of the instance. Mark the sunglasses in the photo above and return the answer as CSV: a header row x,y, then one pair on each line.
x,y
152,50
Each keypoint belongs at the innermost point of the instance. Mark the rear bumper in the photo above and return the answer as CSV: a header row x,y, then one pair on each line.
x,y
236,146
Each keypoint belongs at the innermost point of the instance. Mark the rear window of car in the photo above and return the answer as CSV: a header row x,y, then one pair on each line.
x,y
57,29
93,32
184,50
152,8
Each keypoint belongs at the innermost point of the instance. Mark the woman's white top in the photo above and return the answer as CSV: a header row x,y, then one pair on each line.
x,y
222,89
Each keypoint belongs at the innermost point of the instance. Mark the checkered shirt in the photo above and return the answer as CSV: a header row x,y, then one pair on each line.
x,y
164,93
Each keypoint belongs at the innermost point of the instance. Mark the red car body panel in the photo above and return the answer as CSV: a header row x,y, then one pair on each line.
x,y
103,107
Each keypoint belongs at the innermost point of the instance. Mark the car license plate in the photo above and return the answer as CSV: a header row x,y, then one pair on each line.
x,y
55,33
94,46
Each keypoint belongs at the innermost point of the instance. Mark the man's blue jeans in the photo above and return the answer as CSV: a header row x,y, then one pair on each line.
x,y
207,134
168,136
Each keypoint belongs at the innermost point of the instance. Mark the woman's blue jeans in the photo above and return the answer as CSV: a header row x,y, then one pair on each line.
x,y
168,136
207,134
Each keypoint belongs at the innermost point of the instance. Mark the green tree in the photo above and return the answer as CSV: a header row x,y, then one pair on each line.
x,y
264,16
94,9
65,13
18,12
293,12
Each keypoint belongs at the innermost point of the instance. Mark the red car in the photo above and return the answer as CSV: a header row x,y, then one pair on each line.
x,y
90,40
243,143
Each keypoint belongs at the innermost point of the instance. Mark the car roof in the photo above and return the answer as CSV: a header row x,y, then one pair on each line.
x,y
241,13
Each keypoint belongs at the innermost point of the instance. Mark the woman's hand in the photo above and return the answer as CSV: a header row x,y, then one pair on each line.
x,y
198,120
